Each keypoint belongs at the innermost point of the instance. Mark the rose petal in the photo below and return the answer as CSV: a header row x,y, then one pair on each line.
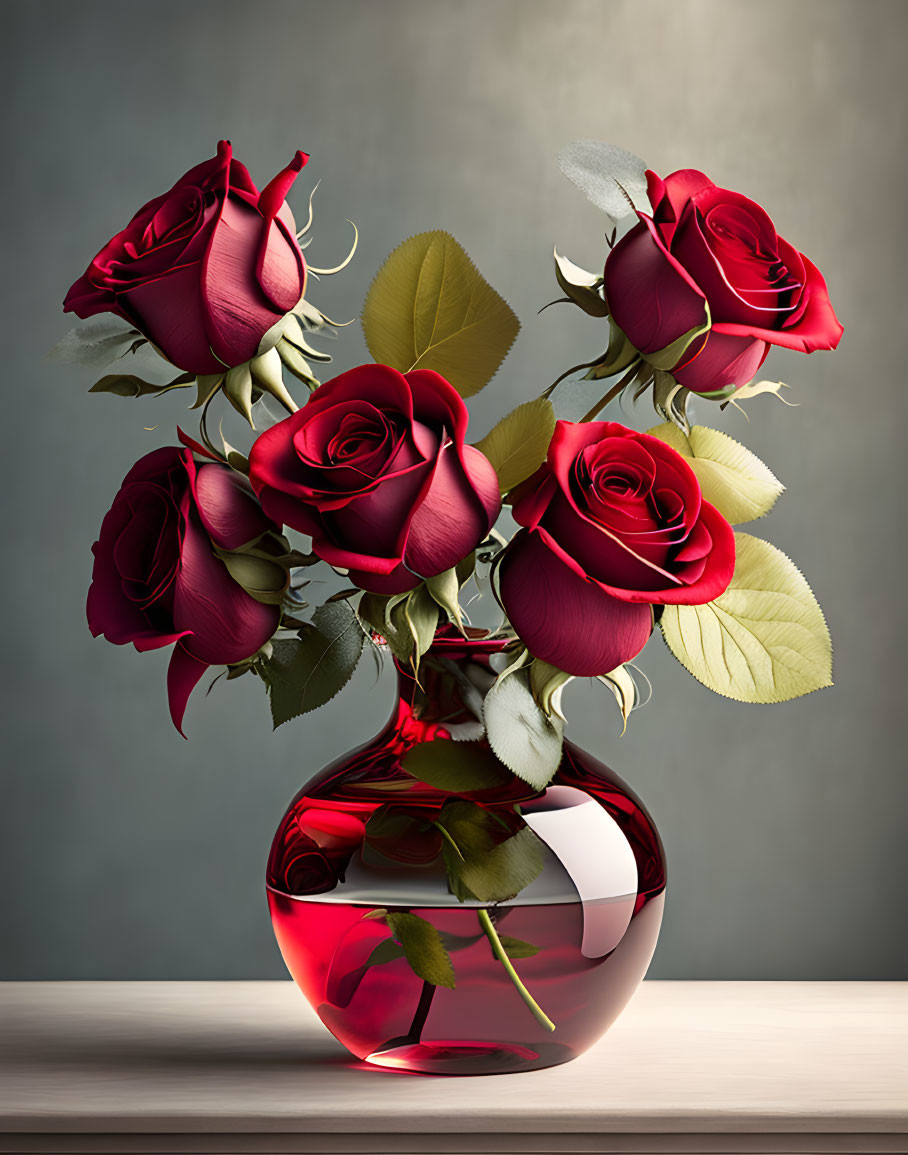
x,y
110,611
280,269
183,675
455,514
228,508
562,619
436,401
531,499
723,360
606,557
377,521
398,581
669,196
652,297
816,328
381,385
227,625
730,270
169,311
237,314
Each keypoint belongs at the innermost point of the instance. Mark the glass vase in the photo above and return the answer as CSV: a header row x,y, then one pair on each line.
x,y
585,929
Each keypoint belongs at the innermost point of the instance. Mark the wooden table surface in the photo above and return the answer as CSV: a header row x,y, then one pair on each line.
x,y
696,1067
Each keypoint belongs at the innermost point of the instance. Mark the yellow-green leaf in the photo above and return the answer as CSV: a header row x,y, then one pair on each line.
x,y
763,640
129,385
430,308
423,946
732,479
755,388
580,286
665,359
518,444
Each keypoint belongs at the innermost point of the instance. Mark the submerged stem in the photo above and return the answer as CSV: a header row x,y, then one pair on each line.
x,y
501,954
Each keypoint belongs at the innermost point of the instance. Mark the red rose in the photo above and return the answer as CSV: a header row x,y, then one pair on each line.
x,y
156,579
374,468
205,270
705,243
615,525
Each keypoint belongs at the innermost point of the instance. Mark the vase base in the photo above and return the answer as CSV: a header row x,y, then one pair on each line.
x,y
462,1057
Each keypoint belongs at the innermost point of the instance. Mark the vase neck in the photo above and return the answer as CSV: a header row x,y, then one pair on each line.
x,y
447,692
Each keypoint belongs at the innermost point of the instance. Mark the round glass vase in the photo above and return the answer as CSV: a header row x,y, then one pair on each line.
x,y
579,937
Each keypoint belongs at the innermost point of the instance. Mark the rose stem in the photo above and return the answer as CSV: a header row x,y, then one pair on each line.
x,y
501,954
612,393
422,1011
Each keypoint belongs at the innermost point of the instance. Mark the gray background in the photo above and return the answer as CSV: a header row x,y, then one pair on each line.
x,y
129,853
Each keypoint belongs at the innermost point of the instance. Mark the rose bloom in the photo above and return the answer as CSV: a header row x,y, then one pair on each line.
x,y
156,580
615,524
313,848
205,270
705,243
374,468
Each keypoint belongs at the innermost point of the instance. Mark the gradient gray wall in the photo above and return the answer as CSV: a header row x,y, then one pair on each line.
x,y
129,853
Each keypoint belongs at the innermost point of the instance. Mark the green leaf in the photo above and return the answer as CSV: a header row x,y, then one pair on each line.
x,y
619,355
479,864
306,672
268,376
423,947
444,589
430,308
458,767
518,444
731,478
516,947
388,950
623,686
402,836
580,286
262,579
522,735
387,617
670,399
763,640
296,363
128,385
669,357
545,682
238,389
466,568
421,615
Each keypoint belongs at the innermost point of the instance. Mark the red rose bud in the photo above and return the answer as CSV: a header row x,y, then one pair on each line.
x,y
374,468
205,270
157,580
708,246
615,524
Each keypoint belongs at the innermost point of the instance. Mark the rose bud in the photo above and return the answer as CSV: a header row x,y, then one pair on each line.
x,y
706,245
615,524
157,579
374,468
205,270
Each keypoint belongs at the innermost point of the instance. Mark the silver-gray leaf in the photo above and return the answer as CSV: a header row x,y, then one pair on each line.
x,y
601,171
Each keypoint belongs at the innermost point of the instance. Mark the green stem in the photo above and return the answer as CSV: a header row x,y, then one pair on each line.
x,y
501,954
447,837
612,393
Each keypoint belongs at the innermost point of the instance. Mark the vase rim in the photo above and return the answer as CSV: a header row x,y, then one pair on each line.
x,y
448,640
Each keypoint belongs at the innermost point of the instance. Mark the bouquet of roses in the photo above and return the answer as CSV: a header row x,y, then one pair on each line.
x,y
374,473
